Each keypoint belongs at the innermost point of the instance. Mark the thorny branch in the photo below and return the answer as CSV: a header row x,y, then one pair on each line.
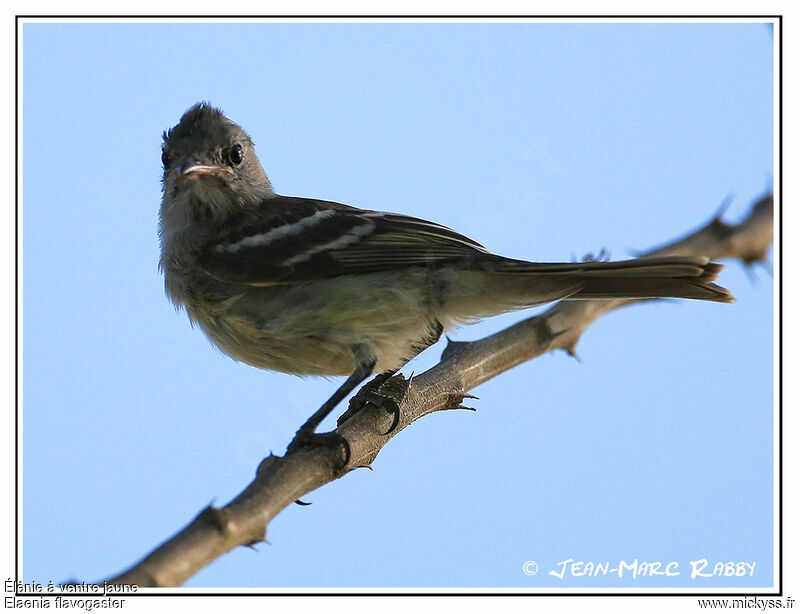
x,y
280,481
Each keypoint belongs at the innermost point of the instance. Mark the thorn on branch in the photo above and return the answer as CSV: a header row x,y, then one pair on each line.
x,y
570,349
252,544
216,517
454,348
724,205
266,463
456,400
543,333
721,230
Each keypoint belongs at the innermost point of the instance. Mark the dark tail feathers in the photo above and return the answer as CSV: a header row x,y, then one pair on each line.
x,y
659,277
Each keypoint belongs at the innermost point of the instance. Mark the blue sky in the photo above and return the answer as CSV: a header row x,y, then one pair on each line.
x,y
541,141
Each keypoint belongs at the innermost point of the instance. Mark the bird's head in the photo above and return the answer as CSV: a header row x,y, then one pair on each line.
x,y
210,158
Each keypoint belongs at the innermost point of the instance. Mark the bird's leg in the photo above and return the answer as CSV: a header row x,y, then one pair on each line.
x,y
389,396
306,435
380,393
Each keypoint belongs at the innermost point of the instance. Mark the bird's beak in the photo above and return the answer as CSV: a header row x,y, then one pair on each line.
x,y
190,166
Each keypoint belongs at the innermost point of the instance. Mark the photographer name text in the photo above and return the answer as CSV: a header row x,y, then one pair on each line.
x,y
701,568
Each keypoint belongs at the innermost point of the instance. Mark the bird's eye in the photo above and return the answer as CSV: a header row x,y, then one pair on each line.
x,y
165,158
236,155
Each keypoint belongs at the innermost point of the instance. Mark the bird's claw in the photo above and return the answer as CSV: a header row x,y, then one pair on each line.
x,y
387,395
389,404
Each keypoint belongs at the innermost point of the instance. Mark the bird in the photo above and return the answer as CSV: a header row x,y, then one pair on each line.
x,y
314,287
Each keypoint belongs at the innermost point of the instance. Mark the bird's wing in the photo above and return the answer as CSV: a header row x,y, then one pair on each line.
x,y
291,240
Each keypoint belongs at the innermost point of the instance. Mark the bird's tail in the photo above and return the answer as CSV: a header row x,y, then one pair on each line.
x,y
660,277
495,284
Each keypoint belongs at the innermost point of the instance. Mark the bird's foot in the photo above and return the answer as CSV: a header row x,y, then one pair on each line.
x,y
385,393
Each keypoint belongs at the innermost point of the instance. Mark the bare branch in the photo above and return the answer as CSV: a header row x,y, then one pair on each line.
x,y
280,481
